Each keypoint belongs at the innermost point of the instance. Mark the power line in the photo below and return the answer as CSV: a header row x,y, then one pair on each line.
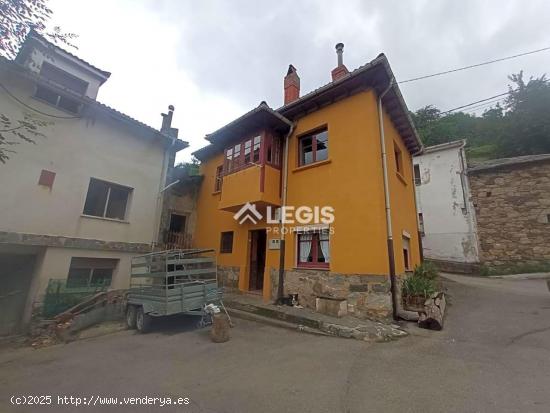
x,y
473,103
483,100
476,65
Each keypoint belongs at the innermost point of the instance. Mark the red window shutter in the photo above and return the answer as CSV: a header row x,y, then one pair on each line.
x,y
46,178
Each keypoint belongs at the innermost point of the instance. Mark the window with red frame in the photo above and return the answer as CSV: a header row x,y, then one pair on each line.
x,y
314,147
314,249
219,179
256,149
242,154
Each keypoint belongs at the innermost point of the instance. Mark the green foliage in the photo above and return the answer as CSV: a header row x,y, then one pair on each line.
x,y
522,268
418,286
520,127
427,270
422,282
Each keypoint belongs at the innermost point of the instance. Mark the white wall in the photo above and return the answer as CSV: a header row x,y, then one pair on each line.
x,y
76,150
443,199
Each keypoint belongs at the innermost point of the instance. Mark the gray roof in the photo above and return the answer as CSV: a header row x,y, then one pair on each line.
x,y
508,162
442,146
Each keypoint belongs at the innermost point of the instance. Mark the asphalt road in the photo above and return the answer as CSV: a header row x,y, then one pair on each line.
x,y
493,356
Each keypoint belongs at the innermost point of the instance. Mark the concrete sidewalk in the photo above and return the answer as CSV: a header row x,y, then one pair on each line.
x,y
303,319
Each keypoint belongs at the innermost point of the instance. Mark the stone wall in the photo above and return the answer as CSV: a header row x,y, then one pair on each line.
x,y
367,295
228,277
512,204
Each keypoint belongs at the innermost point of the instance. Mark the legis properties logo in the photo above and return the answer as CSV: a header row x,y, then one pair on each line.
x,y
287,215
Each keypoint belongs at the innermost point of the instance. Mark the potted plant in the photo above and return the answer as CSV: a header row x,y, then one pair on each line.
x,y
419,287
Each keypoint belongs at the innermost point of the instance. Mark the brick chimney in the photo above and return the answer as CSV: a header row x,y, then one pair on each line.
x,y
292,85
341,70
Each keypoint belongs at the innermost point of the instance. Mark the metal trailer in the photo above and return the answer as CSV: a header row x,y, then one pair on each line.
x,y
172,282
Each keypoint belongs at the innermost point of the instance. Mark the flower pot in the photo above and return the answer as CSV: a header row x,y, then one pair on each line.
x,y
414,302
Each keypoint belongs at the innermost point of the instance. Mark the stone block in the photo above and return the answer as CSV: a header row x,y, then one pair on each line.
x,y
334,308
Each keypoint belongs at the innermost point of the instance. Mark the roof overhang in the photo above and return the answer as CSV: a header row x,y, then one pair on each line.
x,y
375,75
260,118
444,146
93,105
37,41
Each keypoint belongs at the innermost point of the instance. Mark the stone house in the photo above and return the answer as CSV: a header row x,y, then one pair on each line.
x,y
267,176
511,197
445,210
87,196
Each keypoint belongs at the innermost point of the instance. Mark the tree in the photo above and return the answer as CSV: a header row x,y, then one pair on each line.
x,y
17,19
520,127
528,117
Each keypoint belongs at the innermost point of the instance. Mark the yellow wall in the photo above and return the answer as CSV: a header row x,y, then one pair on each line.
x,y
350,181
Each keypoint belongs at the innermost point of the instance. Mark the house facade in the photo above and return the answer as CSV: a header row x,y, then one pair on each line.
x,y
445,210
320,150
87,195
512,202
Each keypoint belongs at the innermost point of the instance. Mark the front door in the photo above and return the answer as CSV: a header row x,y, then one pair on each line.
x,y
257,259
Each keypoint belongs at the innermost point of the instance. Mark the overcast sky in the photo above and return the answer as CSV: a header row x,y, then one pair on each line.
x,y
215,60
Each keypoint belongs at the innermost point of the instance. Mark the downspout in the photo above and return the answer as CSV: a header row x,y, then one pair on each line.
x,y
160,196
391,253
280,286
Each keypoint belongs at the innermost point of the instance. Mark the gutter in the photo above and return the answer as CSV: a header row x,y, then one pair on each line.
x,y
391,253
280,286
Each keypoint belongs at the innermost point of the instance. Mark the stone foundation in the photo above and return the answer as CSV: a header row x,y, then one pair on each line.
x,y
367,295
228,277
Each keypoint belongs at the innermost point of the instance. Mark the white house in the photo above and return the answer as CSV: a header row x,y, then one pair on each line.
x,y
87,195
445,211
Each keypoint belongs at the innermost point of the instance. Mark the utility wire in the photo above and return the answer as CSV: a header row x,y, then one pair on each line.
x,y
36,110
476,65
483,100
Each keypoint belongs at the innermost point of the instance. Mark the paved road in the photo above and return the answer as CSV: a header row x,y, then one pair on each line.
x,y
493,356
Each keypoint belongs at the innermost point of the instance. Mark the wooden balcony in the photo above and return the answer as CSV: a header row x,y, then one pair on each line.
x,y
257,184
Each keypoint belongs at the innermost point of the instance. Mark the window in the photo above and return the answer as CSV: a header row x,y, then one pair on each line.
x,y
229,160
406,253
314,249
421,223
63,102
219,179
91,272
314,147
256,149
247,151
177,223
226,243
46,178
63,79
398,159
237,156
106,200
417,177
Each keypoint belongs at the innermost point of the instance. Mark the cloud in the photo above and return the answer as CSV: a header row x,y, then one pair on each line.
x,y
215,60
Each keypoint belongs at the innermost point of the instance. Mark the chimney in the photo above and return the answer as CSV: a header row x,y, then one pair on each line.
x,y
292,85
166,127
341,70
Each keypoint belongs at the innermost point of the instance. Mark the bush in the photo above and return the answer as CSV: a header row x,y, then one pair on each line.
x,y
418,286
422,282
426,270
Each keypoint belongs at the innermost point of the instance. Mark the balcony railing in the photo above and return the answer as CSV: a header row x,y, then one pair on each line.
x,y
176,240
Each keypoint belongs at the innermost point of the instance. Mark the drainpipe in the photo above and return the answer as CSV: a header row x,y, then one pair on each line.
x,y
280,286
391,254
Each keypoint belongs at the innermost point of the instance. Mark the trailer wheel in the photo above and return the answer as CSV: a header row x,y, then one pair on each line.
x,y
143,321
131,316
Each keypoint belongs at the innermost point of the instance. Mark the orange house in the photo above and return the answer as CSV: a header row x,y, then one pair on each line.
x,y
343,151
